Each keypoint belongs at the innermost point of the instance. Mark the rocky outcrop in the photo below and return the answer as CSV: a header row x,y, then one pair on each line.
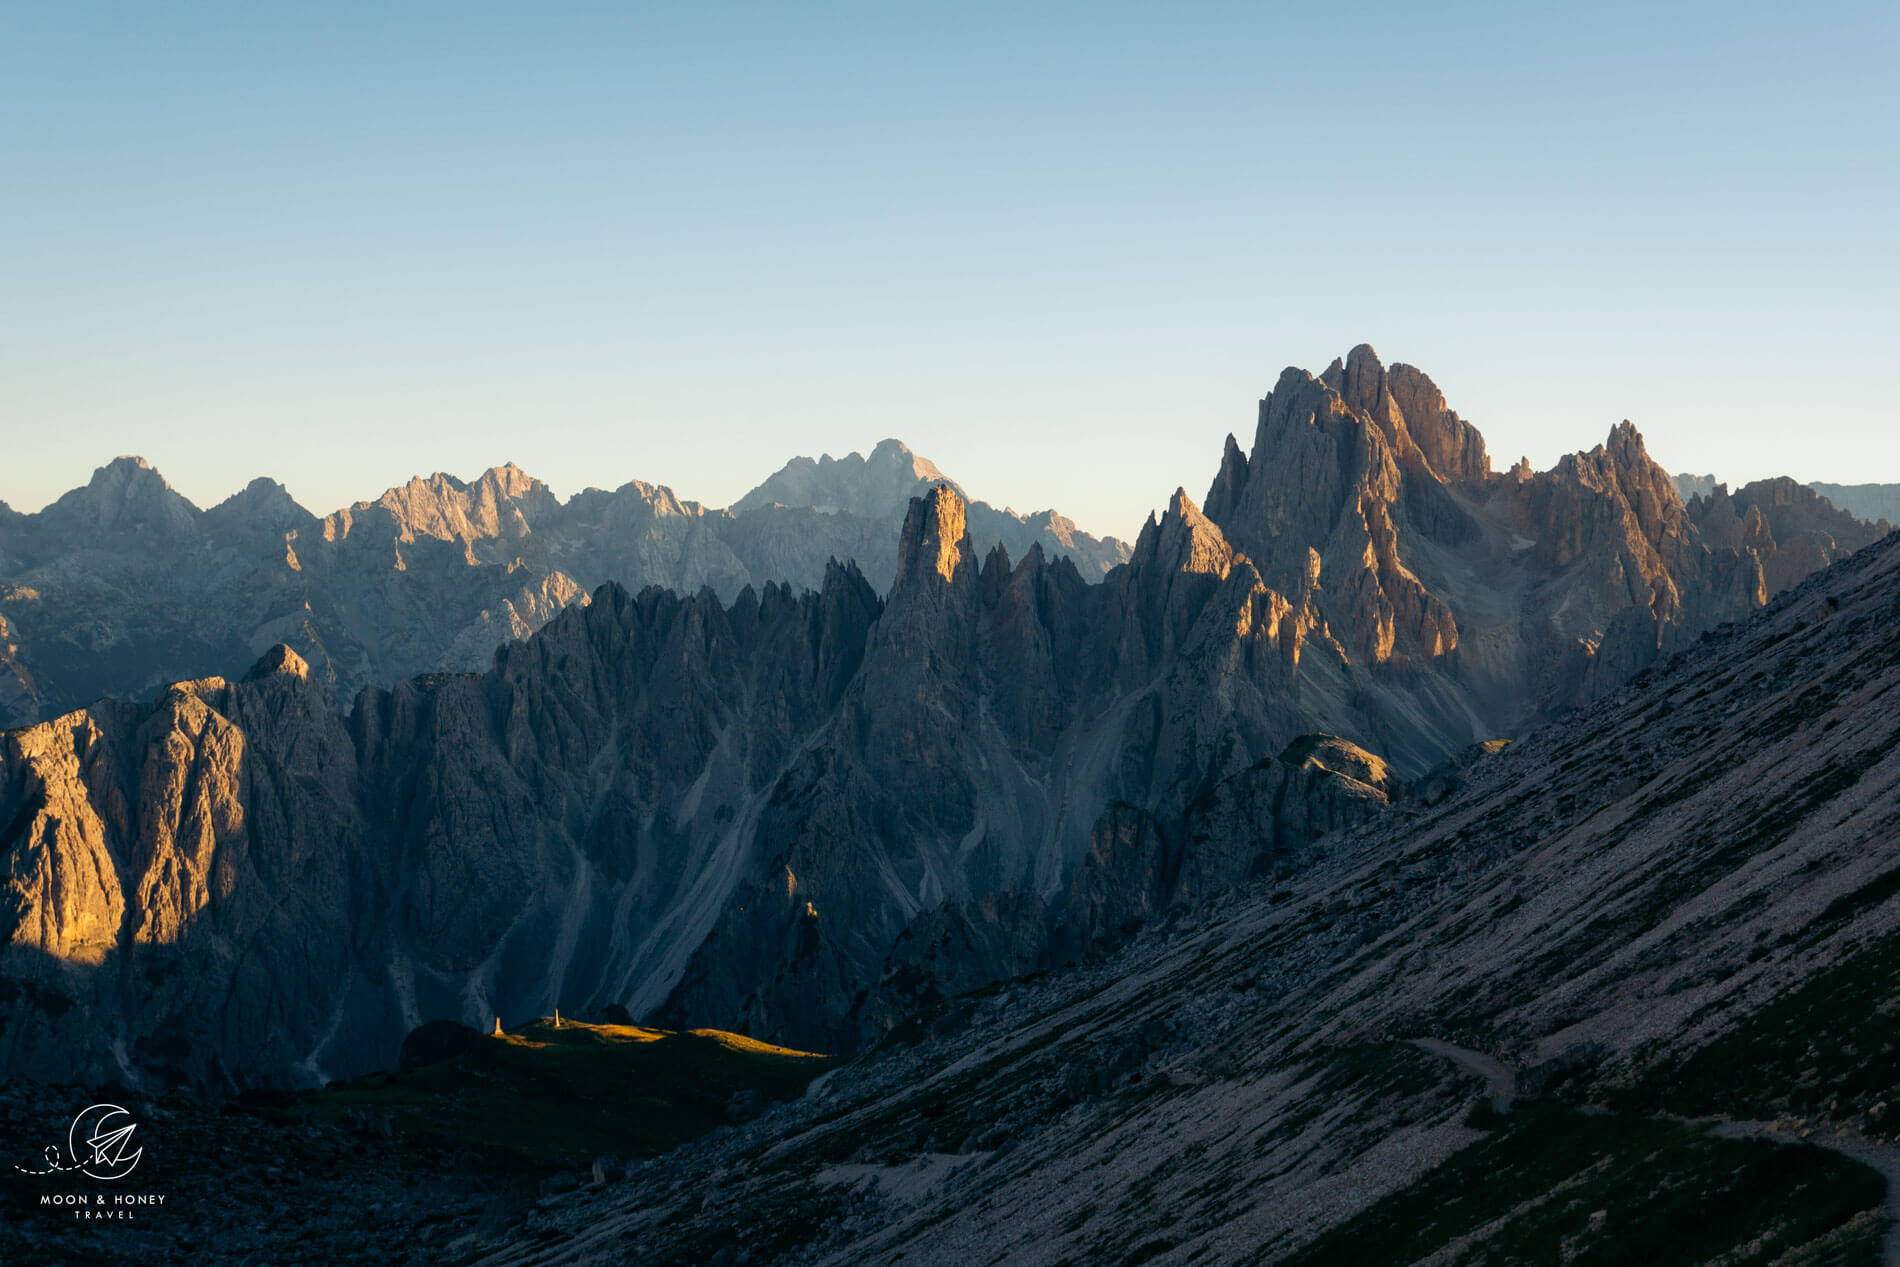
x,y
124,585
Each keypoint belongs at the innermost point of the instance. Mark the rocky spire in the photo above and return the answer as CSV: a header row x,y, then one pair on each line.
x,y
1228,483
935,544
1185,540
1450,446
1361,382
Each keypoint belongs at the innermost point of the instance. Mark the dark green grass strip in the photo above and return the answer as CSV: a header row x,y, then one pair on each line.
x,y
1612,1189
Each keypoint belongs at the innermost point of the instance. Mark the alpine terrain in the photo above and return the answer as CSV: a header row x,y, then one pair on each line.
x,y
1390,859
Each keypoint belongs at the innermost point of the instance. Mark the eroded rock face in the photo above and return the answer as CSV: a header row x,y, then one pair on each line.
x,y
184,884
123,586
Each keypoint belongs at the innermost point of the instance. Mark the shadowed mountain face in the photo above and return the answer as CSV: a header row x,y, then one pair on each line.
x,y
124,585
810,815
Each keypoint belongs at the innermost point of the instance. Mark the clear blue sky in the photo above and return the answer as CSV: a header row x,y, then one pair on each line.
x,y
1062,250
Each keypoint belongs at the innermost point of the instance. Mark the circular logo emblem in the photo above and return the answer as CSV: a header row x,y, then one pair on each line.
x,y
100,1142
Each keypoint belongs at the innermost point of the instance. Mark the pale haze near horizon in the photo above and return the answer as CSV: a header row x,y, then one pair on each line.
x,y
1061,253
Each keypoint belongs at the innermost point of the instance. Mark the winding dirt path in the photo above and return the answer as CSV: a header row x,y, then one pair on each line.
x,y
1499,1078
1884,1158
1501,1081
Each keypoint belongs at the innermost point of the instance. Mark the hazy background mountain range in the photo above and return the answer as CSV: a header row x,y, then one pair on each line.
x,y
1871,502
123,585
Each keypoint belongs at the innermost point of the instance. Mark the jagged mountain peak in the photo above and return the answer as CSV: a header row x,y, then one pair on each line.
x,y
127,472
511,483
1185,540
1834,504
127,494
263,503
1410,410
431,574
880,485
1367,470
1359,379
894,452
983,731
1626,444
280,660
854,491
1621,468
511,475
935,539
1229,480
500,502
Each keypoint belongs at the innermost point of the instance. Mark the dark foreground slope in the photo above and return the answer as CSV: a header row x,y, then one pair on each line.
x,y
1681,902
394,1166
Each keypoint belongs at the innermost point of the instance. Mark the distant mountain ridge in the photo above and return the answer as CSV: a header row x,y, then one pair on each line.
x,y
124,585
1870,503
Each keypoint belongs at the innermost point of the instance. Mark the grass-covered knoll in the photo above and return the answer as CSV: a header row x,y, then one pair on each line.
x,y
1341,756
567,1094
1548,1184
